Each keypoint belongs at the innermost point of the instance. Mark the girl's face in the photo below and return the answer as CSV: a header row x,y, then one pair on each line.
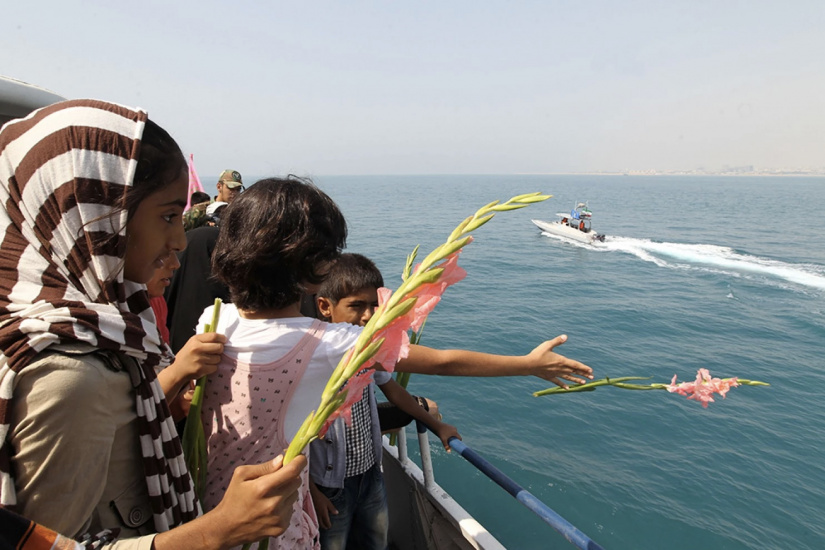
x,y
163,276
155,230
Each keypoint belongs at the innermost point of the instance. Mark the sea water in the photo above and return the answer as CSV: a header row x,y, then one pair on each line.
x,y
720,273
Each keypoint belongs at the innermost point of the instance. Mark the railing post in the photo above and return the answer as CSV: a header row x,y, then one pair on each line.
x,y
426,459
402,445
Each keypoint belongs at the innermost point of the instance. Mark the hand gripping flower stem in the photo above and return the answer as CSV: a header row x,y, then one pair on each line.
x,y
406,308
194,438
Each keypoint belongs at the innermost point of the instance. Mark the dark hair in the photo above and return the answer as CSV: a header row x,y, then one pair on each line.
x,y
350,274
160,162
276,236
199,197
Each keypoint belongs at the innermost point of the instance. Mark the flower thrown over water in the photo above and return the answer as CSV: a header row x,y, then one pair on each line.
x,y
703,388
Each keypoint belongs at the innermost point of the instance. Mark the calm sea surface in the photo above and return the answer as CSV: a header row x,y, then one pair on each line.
x,y
722,273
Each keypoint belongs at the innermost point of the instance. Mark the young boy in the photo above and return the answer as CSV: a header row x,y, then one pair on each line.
x,y
347,486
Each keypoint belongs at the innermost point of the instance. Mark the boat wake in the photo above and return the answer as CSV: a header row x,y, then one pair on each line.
x,y
718,259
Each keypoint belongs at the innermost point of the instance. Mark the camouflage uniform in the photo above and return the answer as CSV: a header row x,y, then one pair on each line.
x,y
195,216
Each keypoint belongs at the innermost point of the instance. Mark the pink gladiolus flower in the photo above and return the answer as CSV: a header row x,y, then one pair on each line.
x,y
703,388
355,390
396,347
396,344
429,294
384,294
452,272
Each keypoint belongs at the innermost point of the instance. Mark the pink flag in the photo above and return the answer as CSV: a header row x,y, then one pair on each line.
x,y
194,181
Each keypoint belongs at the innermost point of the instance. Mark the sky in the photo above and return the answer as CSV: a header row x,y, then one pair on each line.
x,y
445,87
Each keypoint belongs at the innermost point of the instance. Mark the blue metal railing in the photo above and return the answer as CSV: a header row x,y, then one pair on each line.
x,y
525,497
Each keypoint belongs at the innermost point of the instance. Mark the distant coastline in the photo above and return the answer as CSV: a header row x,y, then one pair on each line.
x,y
820,173
738,171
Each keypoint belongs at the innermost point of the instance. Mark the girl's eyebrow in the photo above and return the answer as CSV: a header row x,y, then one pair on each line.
x,y
177,202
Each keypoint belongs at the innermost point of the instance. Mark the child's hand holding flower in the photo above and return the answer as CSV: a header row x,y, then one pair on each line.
x,y
200,355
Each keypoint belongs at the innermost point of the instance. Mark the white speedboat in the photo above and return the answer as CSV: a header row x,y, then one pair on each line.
x,y
573,225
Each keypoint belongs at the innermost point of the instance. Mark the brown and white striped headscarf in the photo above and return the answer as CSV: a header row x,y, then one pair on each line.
x,y
64,172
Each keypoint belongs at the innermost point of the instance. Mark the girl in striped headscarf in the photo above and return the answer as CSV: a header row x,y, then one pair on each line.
x,y
91,199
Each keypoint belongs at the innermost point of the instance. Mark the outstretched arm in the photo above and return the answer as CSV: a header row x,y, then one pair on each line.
x,y
400,397
542,362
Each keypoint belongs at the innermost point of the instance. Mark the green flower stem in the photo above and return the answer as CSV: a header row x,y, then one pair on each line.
x,y
640,387
403,378
323,414
194,438
622,383
312,426
744,382
262,545
300,435
589,386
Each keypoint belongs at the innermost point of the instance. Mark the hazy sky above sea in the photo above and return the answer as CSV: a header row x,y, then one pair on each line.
x,y
354,87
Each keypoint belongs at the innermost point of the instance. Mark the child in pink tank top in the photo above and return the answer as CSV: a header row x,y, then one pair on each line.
x,y
239,396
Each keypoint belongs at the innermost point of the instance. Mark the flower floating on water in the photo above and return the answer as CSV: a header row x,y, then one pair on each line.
x,y
702,389
384,340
